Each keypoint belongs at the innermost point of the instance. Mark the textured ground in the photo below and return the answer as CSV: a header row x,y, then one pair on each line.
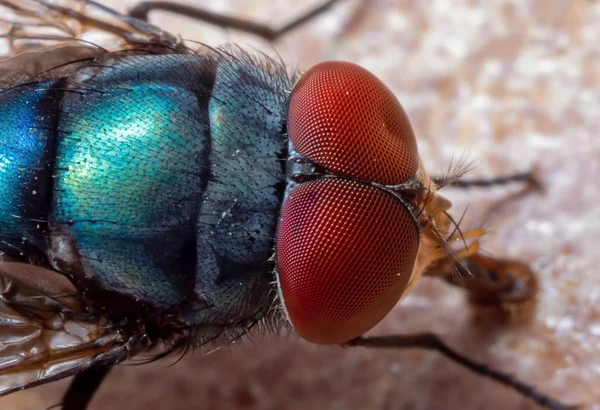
x,y
510,84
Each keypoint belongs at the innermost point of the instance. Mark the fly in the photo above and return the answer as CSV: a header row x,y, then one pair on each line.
x,y
161,197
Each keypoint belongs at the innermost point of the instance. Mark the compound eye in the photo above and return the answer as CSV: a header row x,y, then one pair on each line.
x,y
345,253
345,119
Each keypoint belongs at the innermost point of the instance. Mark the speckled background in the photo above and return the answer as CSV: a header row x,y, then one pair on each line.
x,y
508,84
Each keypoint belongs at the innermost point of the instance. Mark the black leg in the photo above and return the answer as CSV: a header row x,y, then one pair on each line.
x,y
432,342
141,10
528,177
83,387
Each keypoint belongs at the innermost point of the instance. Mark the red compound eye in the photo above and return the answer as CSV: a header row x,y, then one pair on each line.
x,y
345,253
346,120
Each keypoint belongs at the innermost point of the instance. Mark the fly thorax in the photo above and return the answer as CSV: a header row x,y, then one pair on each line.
x,y
243,195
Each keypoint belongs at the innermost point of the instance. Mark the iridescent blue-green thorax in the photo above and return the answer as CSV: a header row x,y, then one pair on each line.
x,y
154,181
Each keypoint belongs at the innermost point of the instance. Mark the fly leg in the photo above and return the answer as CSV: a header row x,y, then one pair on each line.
x,y
141,10
529,177
83,387
492,281
489,280
432,342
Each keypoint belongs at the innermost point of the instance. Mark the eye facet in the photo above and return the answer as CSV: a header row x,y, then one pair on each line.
x,y
345,119
345,253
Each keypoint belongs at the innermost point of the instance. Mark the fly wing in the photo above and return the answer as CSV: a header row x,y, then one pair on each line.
x,y
47,39
32,25
54,62
45,334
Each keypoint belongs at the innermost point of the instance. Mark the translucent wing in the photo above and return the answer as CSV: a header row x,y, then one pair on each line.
x,y
45,334
30,25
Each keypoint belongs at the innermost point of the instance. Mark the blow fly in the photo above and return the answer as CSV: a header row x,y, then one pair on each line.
x,y
157,196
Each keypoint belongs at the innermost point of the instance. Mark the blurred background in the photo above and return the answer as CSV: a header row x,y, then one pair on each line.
x,y
508,84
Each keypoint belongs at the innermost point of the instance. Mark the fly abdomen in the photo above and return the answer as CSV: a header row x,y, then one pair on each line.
x,y
27,123
163,180
128,181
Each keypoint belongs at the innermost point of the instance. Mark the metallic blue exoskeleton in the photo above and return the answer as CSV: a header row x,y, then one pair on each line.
x,y
151,178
